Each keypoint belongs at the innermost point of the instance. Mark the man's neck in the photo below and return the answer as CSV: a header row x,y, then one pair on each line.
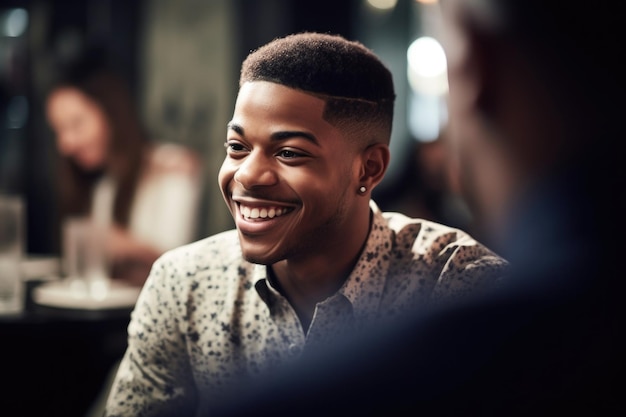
x,y
306,282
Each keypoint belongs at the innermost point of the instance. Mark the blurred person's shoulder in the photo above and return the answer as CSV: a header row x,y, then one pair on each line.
x,y
173,158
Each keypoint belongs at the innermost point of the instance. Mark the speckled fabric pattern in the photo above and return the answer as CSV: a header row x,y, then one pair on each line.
x,y
205,316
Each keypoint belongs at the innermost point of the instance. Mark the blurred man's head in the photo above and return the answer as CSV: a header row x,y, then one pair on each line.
x,y
533,87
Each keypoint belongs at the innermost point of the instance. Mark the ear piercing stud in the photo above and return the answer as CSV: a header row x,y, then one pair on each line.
x,y
362,189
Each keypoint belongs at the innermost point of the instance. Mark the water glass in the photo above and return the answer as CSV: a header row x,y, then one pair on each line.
x,y
84,258
11,254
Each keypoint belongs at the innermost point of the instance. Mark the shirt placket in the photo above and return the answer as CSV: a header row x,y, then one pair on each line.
x,y
287,324
333,319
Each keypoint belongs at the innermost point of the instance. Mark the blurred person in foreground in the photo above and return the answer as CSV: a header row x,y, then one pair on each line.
x,y
144,193
537,129
312,257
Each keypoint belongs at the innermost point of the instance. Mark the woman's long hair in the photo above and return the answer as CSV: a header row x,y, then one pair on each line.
x,y
124,160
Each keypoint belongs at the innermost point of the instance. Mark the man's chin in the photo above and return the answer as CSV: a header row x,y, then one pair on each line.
x,y
263,250
261,258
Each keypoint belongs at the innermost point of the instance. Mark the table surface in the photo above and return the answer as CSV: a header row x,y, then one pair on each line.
x,y
57,359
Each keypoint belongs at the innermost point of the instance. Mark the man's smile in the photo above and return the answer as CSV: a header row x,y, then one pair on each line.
x,y
261,212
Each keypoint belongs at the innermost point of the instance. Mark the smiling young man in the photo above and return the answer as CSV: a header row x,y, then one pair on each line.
x,y
312,257
535,100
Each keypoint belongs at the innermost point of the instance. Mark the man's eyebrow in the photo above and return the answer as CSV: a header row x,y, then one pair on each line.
x,y
283,135
234,126
278,136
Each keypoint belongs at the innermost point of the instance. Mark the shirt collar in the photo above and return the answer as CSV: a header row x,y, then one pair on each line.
x,y
365,284
262,285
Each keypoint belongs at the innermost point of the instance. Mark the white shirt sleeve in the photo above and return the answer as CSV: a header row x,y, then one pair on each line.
x,y
165,209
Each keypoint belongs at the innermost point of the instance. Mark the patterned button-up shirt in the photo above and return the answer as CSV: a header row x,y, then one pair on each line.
x,y
206,316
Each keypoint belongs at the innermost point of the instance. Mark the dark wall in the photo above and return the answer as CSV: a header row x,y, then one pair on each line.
x,y
261,21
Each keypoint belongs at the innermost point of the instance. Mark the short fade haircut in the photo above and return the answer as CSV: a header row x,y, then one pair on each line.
x,y
356,86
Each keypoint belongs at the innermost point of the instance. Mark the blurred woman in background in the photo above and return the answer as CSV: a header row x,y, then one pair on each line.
x,y
146,193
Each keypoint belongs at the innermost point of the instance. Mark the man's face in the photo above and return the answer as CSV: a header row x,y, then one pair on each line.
x,y
289,177
463,131
484,162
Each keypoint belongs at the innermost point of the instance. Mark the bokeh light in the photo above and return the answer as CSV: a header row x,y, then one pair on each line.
x,y
14,22
382,4
427,66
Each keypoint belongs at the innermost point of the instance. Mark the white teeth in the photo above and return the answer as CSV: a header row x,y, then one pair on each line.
x,y
261,213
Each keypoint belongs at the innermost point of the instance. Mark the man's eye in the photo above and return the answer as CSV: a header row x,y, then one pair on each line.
x,y
235,147
289,154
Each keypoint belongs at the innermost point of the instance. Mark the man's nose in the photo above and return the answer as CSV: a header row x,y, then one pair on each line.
x,y
256,170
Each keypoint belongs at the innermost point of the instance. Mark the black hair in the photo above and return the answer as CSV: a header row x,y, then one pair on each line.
x,y
354,82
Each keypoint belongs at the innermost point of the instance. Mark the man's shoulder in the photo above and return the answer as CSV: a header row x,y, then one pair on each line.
x,y
428,231
438,242
218,249
456,263
214,263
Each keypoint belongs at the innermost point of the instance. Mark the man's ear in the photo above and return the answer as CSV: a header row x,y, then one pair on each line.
x,y
375,160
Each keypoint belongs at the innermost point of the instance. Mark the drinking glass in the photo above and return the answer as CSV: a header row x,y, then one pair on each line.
x,y
11,254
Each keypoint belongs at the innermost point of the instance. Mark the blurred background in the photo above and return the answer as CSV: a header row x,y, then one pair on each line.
x,y
181,59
